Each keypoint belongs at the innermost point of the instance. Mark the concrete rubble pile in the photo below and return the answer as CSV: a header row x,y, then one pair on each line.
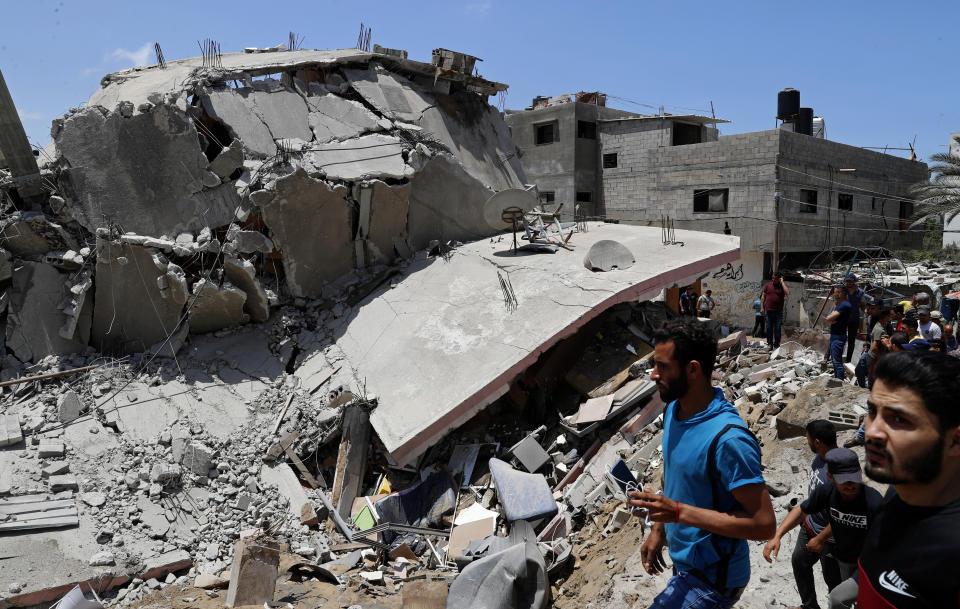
x,y
186,198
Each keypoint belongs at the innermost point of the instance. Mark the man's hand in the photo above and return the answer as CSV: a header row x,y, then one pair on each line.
x,y
661,509
772,548
815,545
651,552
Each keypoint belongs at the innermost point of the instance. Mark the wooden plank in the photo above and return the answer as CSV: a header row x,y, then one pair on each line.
x,y
68,521
303,468
37,506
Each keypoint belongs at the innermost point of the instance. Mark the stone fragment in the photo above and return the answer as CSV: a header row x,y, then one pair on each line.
x,y
216,307
228,161
66,482
55,469
243,274
163,472
32,233
68,406
208,581
51,448
102,559
93,499
253,576
10,432
368,156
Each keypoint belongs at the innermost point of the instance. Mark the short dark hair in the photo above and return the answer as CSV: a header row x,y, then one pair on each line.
x,y
842,289
692,341
934,376
823,430
899,338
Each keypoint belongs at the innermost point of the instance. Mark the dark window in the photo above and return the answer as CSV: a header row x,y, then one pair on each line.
x,y
844,202
584,197
587,130
711,200
545,134
547,197
906,210
610,160
873,203
684,134
808,201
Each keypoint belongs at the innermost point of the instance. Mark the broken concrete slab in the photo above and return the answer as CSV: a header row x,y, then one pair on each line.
x,y
10,432
446,203
130,314
463,327
32,233
391,94
388,210
332,117
36,314
608,255
113,177
367,156
216,306
68,406
229,160
243,275
315,252
234,108
281,476
253,576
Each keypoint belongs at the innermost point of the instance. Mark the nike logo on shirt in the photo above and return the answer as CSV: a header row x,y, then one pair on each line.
x,y
892,582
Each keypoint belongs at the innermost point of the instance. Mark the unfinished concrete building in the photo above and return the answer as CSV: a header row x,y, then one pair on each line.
x,y
196,194
679,167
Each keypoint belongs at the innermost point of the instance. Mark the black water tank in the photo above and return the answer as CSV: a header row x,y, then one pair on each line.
x,y
804,122
788,103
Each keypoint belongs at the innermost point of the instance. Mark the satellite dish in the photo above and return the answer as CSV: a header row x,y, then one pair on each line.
x,y
514,197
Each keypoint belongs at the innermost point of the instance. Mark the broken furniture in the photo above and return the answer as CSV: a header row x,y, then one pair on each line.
x,y
522,496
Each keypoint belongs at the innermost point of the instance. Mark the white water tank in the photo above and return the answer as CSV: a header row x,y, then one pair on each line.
x,y
819,128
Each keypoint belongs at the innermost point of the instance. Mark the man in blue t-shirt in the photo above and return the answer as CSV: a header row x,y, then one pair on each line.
x,y
839,320
714,497
855,298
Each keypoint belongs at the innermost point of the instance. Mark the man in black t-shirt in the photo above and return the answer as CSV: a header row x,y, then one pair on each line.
x,y
911,556
853,507
821,438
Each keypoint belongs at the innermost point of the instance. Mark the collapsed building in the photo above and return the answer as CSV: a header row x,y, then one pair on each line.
x,y
197,194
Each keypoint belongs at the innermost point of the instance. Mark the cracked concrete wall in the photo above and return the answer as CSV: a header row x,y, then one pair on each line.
x,y
144,172
37,297
130,314
311,225
371,163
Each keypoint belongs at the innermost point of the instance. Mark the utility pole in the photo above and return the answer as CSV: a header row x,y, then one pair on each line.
x,y
777,194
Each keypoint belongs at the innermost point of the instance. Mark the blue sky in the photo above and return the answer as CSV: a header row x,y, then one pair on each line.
x,y
875,70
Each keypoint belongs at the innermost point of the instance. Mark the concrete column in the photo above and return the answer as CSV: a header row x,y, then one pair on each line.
x,y
15,146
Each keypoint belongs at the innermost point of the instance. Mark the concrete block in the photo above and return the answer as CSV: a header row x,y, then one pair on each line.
x,y
66,482
253,575
760,375
198,458
10,432
51,448
68,406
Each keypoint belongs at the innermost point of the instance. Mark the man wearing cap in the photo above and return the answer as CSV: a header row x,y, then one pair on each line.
x,y
877,348
910,556
855,298
772,299
928,330
838,329
821,438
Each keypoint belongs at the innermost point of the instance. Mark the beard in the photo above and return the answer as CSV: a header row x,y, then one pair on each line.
x,y
922,469
675,389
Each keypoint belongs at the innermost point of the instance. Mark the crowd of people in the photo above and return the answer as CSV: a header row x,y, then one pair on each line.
x,y
898,550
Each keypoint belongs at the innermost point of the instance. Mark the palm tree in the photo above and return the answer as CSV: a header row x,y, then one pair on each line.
x,y
941,195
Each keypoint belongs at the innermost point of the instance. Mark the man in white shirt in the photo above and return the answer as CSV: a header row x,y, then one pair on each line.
x,y
928,330
705,304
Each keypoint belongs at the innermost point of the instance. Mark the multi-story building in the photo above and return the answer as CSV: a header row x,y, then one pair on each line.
x,y
787,195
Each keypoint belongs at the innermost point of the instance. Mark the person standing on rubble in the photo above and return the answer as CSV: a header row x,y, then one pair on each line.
x,y
714,496
759,327
705,304
772,299
868,360
821,438
838,320
855,298
909,557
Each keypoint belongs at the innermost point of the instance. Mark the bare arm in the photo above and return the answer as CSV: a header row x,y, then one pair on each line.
x,y
786,290
832,317
816,544
772,549
756,521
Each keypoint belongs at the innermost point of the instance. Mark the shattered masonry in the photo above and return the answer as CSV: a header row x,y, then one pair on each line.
x,y
191,199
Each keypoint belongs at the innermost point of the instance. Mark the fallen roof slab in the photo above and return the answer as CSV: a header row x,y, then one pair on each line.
x,y
440,344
